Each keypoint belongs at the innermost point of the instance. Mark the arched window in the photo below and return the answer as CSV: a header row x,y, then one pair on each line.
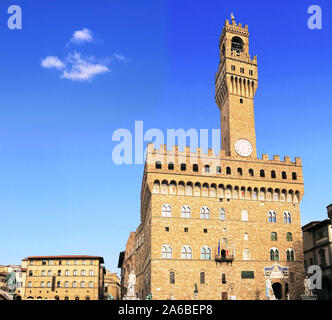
x,y
166,210
228,170
290,255
172,277
171,166
183,167
195,167
274,254
207,169
239,171
74,284
246,254
90,284
202,277
287,217
223,251
82,284
272,216
185,211
289,237
42,284
251,172
294,176
30,273
246,236
66,284
273,174
186,253
284,175
222,214
158,165
156,186
166,251
218,169
237,44
43,273
262,174
206,253
274,236
223,278
205,212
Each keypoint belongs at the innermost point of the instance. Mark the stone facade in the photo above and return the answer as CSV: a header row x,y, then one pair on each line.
x,y
76,277
218,226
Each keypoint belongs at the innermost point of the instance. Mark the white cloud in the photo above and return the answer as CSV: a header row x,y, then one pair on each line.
x,y
52,62
120,57
83,69
81,36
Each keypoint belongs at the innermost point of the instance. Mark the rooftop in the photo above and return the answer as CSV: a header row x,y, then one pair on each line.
x,y
101,259
315,224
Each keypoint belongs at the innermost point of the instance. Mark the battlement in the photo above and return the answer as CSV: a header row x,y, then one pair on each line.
x,y
199,154
237,25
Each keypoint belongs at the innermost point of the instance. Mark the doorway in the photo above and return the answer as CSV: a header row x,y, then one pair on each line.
x,y
277,290
224,296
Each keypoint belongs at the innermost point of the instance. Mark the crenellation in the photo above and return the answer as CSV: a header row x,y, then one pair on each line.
x,y
265,157
298,161
287,160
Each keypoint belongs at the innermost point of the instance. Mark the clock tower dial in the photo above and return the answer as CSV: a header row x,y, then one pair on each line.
x,y
243,148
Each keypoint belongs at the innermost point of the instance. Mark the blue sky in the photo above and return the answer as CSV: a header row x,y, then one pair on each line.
x,y
60,192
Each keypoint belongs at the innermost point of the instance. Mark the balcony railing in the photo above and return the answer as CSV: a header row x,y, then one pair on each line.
x,y
224,258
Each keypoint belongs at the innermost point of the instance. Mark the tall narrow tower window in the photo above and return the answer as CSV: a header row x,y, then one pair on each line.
x,y
171,166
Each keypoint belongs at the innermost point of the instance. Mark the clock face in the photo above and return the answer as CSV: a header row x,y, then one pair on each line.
x,y
243,148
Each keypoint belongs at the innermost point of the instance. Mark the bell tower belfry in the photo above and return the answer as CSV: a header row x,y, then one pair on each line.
x,y
235,84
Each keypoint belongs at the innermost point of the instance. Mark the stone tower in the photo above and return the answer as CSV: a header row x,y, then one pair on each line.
x,y
236,84
227,225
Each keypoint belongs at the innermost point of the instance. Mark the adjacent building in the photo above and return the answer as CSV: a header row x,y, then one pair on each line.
x,y
63,277
220,226
112,285
317,248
